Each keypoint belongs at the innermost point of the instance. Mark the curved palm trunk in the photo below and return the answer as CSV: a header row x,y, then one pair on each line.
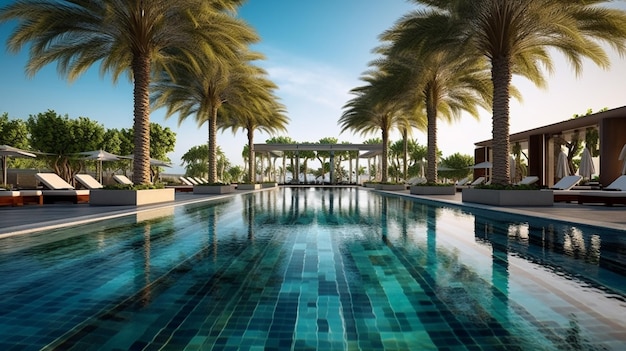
x,y
431,116
501,78
251,156
212,169
141,127
405,154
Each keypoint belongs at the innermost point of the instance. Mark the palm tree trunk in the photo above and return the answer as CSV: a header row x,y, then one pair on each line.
x,y
431,116
141,127
251,156
213,145
501,78
405,153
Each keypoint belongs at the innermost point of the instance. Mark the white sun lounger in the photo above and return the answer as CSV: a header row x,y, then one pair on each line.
x,y
122,179
88,181
60,190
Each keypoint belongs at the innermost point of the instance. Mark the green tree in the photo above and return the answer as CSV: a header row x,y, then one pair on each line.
x,y
62,138
253,106
133,36
13,132
460,164
514,36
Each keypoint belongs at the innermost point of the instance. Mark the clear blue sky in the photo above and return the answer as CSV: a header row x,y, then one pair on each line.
x,y
316,51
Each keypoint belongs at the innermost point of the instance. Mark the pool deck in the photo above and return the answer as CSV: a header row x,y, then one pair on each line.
x,y
28,218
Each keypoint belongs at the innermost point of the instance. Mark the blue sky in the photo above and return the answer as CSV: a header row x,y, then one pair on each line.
x,y
315,52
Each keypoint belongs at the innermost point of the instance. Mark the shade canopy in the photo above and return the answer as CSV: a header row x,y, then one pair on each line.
x,y
153,161
9,151
99,155
482,165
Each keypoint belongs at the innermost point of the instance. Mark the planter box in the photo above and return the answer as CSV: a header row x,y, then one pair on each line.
x,y
130,197
212,189
269,185
508,197
433,190
390,187
370,185
248,186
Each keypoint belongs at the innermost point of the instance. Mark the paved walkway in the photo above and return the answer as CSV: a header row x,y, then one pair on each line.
x,y
15,220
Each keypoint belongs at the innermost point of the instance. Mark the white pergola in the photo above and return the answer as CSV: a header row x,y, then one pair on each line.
x,y
367,151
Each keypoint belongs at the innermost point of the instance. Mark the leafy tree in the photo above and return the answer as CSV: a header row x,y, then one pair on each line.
x,y
195,161
515,36
134,36
235,173
62,138
13,132
460,164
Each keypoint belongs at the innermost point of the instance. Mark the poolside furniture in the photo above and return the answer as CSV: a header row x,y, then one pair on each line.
x,y
462,181
185,181
528,180
198,180
192,180
88,181
614,193
58,190
562,190
10,198
122,179
416,181
567,182
477,181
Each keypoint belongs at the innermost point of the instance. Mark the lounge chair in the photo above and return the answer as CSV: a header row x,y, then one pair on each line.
x,y
198,180
528,180
614,193
562,190
192,181
122,179
88,181
416,181
185,181
462,181
10,198
477,181
59,190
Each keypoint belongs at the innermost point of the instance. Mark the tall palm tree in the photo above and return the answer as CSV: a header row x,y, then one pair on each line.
x,y
133,36
201,91
253,107
514,36
372,110
444,83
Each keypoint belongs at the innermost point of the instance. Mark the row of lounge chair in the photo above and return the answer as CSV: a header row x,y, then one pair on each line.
x,y
191,181
56,190
615,193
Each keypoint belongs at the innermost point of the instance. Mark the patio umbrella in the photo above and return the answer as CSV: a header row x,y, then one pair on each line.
x,y
153,161
562,168
9,151
586,169
99,155
483,165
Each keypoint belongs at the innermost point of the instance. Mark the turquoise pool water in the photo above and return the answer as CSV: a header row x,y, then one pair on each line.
x,y
307,269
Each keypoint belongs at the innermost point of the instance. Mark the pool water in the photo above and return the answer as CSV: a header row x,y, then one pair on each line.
x,y
318,268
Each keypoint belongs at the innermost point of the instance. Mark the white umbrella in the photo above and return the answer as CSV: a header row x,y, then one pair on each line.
x,y
562,168
586,169
9,151
622,156
99,155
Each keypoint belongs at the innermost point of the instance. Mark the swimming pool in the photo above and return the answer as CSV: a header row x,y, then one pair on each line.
x,y
305,269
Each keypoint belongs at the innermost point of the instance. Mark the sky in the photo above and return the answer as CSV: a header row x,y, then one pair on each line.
x,y
315,52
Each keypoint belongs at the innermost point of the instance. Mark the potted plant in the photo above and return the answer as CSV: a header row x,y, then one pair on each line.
x,y
130,195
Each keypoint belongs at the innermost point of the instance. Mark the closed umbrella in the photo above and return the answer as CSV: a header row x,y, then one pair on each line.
x,y
9,151
586,169
562,168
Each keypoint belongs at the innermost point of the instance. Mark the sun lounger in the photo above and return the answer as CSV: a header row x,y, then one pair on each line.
x,y
528,180
566,183
185,181
192,180
614,193
10,198
122,179
88,181
618,184
60,190
477,181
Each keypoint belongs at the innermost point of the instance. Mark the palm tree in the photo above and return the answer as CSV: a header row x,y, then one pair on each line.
x,y
134,36
369,111
443,82
514,36
202,90
253,106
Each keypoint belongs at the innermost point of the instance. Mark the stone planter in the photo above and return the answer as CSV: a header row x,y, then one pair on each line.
x,y
390,187
212,189
370,185
432,190
248,186
508,197
269,185
101,197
